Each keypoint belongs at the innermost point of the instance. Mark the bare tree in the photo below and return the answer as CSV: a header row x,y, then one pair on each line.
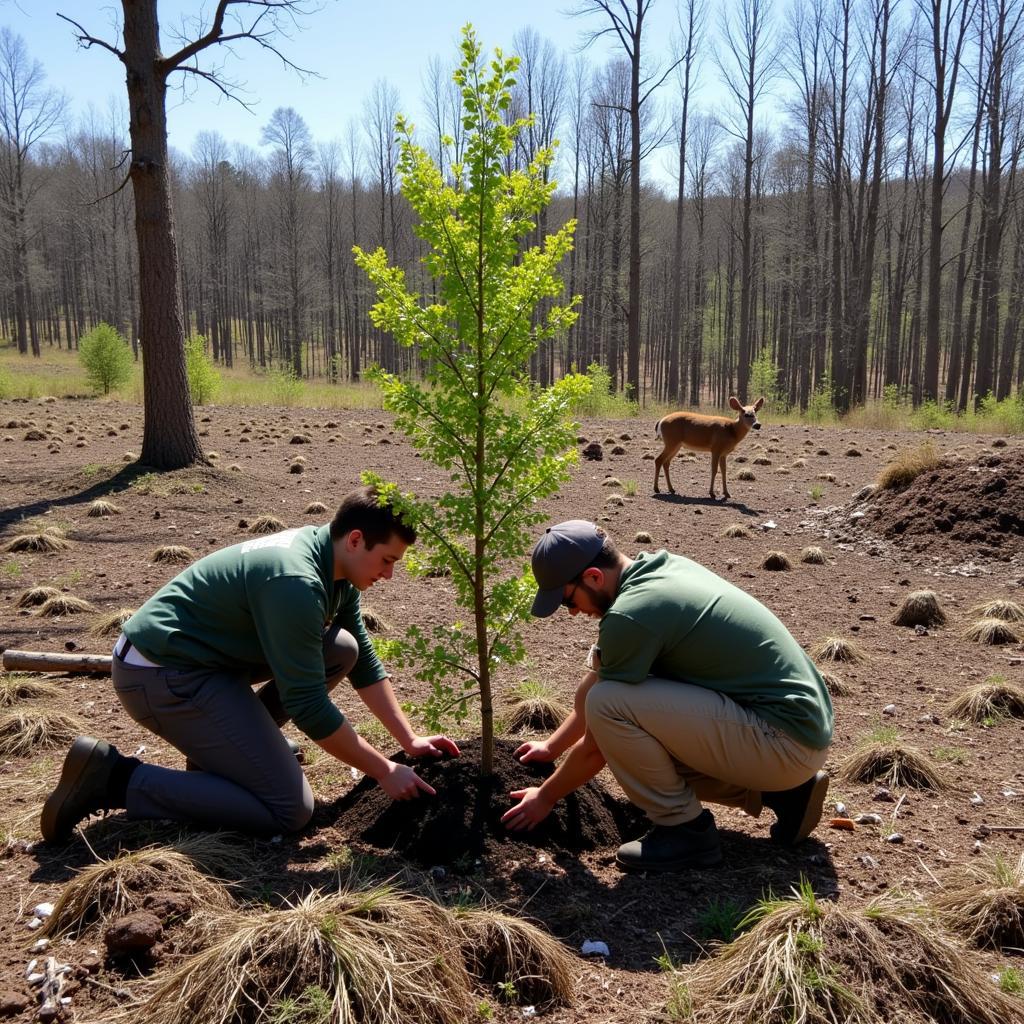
x,y
169,439
747,65
29,112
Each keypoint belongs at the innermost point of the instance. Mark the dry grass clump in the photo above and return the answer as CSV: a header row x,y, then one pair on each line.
x,y
985,904
894,765
536,709
266,524
836,685
999,608
813,556
173,554
374,623
314,508
991,631
101,507
64,604
907,466
500,949
736,530
110,625
995,698
776,561
611,481
35,596
45,541
118,886
642,537
820,962
920,608
838,648
359,956
35,725
746,475
17,688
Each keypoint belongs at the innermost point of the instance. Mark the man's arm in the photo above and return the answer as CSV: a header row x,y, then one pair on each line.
x,y
399,781
380,698
583,762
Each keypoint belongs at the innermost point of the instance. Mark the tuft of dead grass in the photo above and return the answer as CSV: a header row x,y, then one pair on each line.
x,y
16,688
266,524
812,555
44,542
920,608
995,698
371,955
999,608
736,530
117,886
536,713
747,475
111,624
907,466
642,537
173,554
35,725
314,508
500,949
374,622
64,604
836,685
821,962
984,903
777,561
838,648
35,596
101,507
991,631
894,765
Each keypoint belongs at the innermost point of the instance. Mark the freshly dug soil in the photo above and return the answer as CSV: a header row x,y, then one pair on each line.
x,y
958,511
464,820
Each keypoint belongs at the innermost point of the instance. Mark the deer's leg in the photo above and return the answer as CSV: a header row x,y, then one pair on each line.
x,y
725,486
662,462
714,470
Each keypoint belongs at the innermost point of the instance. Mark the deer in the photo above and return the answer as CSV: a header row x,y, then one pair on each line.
x,y
716,434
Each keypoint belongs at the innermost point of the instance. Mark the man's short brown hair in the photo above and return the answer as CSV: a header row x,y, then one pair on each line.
x,y
363,510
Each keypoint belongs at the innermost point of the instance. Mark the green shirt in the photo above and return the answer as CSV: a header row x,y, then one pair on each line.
x,y
675,619
263,602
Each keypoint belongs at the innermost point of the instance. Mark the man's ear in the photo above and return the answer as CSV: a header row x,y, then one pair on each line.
x,y
352,539
594,576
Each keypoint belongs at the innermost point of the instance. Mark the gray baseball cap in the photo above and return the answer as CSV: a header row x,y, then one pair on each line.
x,y
562,553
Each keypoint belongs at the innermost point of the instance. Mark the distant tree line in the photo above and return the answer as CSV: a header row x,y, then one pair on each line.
x,y
849,220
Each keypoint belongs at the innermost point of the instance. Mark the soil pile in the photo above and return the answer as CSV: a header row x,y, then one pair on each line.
x,y
959,511
464,820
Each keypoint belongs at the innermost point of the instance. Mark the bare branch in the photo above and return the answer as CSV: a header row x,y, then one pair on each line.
x,y
86,41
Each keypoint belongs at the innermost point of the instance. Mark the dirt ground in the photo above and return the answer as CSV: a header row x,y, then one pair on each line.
x,y
802,495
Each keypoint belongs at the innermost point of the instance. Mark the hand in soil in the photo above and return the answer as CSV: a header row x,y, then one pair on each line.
x,y
532,809
533,750
401,783
433,746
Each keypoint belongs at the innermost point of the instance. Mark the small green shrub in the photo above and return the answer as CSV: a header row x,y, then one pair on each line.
x,y
106,357
203,379
285,386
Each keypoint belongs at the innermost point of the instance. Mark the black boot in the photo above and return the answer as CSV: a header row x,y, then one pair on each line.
x,y
94,778
798,809
694,844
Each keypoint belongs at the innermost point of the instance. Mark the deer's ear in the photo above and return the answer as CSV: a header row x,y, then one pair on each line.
x,y
758,404
734,403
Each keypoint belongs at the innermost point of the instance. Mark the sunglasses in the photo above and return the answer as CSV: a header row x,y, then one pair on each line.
x,y
567,602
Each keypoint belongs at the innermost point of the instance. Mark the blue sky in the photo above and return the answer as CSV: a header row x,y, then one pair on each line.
x,y
349,43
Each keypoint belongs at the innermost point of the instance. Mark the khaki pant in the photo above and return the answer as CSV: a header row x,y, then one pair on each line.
x,y
671,745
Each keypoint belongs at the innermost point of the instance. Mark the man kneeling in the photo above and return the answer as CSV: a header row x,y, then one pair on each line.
x,y
696,692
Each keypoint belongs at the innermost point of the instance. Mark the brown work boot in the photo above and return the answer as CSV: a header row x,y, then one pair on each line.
x,y
694,844
798,809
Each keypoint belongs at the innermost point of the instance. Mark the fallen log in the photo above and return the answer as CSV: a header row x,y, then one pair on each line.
x,y
43,661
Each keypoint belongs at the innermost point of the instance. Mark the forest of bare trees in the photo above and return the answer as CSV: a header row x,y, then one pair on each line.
x,y
849,210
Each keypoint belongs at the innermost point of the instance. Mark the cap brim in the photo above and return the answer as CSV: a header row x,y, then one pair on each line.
x,y
547,602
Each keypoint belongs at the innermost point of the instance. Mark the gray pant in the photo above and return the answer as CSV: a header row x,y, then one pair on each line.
x,y
248,778
671,745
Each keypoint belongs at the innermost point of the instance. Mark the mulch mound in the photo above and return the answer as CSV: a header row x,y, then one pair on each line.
x,y
463,821
958,511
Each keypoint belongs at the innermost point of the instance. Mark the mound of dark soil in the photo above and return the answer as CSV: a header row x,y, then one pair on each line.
x,y
464,820
958,511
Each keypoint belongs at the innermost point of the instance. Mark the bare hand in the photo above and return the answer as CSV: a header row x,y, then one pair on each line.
x,y
532,809
533,750
434,746
400,782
